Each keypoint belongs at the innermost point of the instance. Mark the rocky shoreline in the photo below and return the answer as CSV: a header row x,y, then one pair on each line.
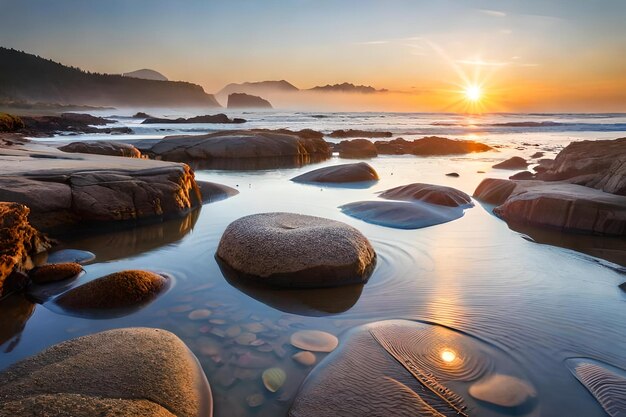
x,y
267,255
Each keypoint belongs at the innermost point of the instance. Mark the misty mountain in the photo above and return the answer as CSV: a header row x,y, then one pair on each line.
x,y
258,88
26,77
146,74
346,88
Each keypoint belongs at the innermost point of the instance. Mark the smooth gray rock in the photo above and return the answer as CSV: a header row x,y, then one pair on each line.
x,y
429,193
359,172
293,250
102,147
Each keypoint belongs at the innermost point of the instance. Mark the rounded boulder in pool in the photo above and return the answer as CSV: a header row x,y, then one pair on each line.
x,y
295,251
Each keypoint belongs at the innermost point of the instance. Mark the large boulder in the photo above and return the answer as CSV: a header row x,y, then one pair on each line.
x,y
429,193
359,172
131,372
113,293
62,188
293,250
406,369
357,148
103,147
239,145
556,205
494,190
429,146
243,101
598,164
19,241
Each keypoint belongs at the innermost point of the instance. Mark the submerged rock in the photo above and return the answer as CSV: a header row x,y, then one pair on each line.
x,y
344,173
70,255
515,162
429,146
90,376
429,193
274,379
502,390
212,191
605,382
292,250
599,164
114,293
397,368
357,148
555,205
55,272
402,214
314,340
305,358
243,100
19,241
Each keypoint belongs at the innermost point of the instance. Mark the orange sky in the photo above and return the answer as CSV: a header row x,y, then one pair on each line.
x,y
528,55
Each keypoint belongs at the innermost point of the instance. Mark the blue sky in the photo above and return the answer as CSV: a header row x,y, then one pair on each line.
x,y
397,44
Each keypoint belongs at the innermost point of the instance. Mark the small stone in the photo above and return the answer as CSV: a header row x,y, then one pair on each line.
x,y
305,358
314,340
273,379
217,321
254,327
502,390
199,314
183,308
55,272
255,400
453,174
233,331
245,338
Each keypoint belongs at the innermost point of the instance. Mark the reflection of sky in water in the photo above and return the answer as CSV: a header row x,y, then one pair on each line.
x,y
539,304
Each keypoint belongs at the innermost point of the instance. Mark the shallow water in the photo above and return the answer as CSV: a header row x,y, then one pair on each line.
x,y
539,304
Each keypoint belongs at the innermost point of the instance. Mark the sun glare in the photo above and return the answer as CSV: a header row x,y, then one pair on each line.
x,y
447,355
473,93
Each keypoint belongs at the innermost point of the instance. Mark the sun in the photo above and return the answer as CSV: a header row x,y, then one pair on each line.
x,y
473,93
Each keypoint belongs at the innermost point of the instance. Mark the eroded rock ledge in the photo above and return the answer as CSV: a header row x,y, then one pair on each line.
x,y
18,242
556,205
62,188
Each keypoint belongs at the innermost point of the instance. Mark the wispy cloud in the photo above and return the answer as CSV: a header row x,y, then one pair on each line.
x,y
481,63
494,13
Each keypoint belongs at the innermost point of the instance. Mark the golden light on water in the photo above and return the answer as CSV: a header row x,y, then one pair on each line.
x,y
447,355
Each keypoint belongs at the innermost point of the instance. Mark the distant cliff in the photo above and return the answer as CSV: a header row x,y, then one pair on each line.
x,y
31,78
241,100
146,74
